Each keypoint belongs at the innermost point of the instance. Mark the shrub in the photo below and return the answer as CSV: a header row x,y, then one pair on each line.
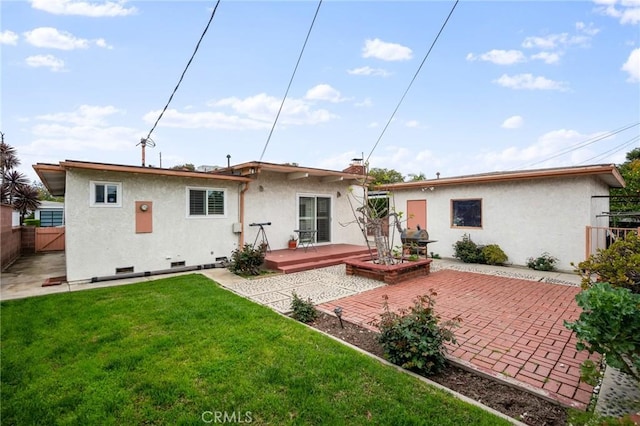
x,y
493,255
610,325
544,262
32,222
619,265
247,261
468,251
303,310
413,338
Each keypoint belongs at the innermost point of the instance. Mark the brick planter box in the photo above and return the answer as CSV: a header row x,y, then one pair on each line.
x,y
390,274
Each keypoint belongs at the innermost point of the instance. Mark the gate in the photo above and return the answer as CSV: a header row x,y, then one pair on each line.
x,y
600,237
49,239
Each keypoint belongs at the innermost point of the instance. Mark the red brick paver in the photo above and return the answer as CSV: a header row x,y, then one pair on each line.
x,y
511,329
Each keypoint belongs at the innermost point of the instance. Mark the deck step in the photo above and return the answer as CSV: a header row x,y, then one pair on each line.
x,y
306,266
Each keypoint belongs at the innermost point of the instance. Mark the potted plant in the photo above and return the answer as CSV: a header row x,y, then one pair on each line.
x,y
293,243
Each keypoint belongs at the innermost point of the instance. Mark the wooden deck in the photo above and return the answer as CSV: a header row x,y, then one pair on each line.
x,y
288,261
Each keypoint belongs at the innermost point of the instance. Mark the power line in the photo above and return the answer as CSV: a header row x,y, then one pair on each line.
x,y
290,81
583,144
614,149
183,72
444,24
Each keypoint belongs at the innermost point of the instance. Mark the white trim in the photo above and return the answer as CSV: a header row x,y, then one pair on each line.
x,y
206,216
105,204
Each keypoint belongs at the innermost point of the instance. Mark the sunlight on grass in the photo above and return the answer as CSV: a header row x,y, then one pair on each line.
x,y
167,351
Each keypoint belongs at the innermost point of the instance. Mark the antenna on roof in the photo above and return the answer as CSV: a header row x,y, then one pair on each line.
x,y
144,142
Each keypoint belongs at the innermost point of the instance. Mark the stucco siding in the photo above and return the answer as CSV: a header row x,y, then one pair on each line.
x,y
101,239
526,218
273,198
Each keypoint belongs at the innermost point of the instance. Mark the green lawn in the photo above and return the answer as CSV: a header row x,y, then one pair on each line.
x,y
167,351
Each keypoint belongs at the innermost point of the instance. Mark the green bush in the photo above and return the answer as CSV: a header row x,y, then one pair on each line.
x,y
247,261
468,251
32,222
303,310
544,262
493,255
610,325
619,265
413,338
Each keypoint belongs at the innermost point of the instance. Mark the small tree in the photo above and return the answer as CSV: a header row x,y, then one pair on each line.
x,y
414,338
610,325
619,265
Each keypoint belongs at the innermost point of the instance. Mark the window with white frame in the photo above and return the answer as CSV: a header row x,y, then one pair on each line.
x,y
203,202
106,194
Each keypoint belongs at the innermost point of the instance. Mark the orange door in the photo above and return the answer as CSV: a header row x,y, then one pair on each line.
x,y
416,214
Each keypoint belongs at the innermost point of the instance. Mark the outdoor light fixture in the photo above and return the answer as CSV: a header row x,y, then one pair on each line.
x,y
338,312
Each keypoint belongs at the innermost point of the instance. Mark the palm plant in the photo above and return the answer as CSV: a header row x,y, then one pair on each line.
x,y
25,200
15,188
11,181
8,157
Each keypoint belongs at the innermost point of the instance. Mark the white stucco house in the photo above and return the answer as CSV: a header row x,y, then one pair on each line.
x,y
525,212
129,219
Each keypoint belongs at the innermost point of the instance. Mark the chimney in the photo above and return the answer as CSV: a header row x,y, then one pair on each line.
x,y
356,167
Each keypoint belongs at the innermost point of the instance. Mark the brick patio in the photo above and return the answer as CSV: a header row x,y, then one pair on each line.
x,y
511,328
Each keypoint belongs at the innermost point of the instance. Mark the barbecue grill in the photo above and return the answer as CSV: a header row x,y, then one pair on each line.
x,y
416,240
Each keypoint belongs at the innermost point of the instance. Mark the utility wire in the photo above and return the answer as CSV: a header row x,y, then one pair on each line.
x,y
614,149
583,144
290,81
184,71
444,24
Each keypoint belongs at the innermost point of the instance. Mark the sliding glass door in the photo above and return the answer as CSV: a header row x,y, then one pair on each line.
x,y
314,212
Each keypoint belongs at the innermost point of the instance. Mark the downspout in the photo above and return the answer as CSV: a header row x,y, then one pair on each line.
x,y
241,212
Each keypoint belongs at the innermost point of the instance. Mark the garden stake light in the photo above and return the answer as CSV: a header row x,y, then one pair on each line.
x,y
338,312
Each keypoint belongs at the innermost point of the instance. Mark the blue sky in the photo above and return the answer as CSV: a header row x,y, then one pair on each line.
x,y
508,85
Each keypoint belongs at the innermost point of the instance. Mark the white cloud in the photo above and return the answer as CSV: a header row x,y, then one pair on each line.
x,y
204,120
86,128
83,8
373,125
412,123
324,92
632,66
547,57
52,38
367,102
379,49
251,113
588,29
378,72
626,11
529,82
45,61
513,122
499,57
102,43
85,115
8,37
263,107
547,145
555,41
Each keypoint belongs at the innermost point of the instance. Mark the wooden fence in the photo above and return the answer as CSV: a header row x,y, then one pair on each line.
x,y
49,239
600,237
